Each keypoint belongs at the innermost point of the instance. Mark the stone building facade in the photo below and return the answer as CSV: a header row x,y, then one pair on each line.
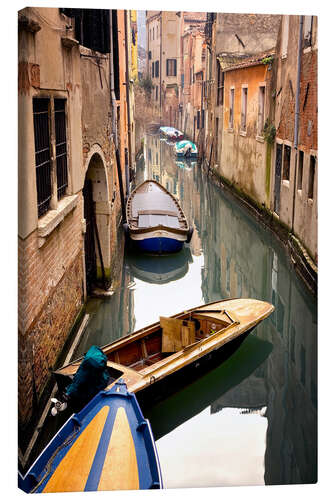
x,y
295,161
69,108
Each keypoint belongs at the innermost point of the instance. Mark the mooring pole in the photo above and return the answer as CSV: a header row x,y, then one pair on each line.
x,y
121,189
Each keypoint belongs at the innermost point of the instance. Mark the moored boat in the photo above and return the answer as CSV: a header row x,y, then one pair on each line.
x,y
108,445
186,149
146,358
171,133
156,222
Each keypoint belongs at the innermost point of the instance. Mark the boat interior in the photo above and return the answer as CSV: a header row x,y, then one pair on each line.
x,y
133,356
171,335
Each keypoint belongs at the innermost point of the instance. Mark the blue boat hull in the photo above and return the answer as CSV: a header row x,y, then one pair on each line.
x,y
159,245
91,437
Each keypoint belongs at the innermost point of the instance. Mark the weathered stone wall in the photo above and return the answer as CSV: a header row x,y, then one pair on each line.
x,y
255,33
296,208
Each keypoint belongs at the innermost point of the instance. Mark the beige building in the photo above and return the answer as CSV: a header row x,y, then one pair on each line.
x,y
163,48
69,198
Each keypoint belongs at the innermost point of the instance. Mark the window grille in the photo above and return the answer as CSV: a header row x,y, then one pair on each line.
x,y
244,109
61,146
231,106
286,163
157,69
42,153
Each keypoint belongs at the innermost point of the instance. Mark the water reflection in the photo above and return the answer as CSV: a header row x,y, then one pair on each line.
x,y
264,397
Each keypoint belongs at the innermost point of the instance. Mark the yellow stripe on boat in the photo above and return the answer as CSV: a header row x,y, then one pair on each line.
x,y
73,471
120,471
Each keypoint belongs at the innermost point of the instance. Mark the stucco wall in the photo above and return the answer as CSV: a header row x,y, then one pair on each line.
x,y
243,158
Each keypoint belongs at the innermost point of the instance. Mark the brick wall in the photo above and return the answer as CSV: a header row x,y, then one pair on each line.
x,y
50,295
308,126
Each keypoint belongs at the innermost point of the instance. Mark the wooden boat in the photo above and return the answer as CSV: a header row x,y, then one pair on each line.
x,y
108,445
155,220
146,358
171,133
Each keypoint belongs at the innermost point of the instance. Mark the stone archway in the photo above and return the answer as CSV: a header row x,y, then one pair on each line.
x,y
98,225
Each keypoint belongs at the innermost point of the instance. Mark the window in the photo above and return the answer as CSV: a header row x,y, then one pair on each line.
x,y
149,54
220,85
198,119
261,110
182,80
285,36
61,146
153,33
202,118
231,108
286,163
157,69
312,176
300,170
42,154
49,112
244,109
307,31
156,89
152,69
171,67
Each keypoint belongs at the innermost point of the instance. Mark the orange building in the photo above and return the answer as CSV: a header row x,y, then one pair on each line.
x,y
243,156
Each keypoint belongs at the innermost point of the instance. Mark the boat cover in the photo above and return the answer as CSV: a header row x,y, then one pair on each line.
x,y
182,146
91,377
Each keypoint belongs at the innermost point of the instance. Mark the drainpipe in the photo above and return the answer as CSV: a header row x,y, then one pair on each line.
x,y
129,163
296,125
112,92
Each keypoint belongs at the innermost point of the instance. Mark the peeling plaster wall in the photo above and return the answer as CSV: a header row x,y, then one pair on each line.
x,y
243,158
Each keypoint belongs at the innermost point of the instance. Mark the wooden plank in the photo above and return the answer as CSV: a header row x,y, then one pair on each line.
x,y
171,334
120,470
72,472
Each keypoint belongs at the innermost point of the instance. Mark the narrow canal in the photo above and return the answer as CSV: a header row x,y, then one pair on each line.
x,y
253,419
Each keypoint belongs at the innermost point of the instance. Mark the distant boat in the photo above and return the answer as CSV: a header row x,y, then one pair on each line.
x,y
151,358
171,133
155,220
108,445
186,149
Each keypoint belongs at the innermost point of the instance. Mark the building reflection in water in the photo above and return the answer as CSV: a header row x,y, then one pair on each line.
x,y
269,385
244,259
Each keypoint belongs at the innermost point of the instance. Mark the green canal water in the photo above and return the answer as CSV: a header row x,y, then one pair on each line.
x,y
253,419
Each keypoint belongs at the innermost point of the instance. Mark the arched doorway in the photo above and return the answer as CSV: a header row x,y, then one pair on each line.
x,y
97,216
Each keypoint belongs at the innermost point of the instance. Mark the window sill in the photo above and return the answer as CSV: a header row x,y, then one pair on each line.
x,y
307,49
230,130
53,218
286,183
310,202
259,138
242,132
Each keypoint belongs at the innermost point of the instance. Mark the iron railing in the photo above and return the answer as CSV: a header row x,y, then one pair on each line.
x,y
61,146
42,153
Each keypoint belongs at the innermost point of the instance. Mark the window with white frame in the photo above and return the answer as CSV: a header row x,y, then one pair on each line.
x,y
244,109
231,107
261,110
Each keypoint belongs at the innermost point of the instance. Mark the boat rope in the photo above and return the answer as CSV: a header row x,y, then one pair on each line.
x,y
49,464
